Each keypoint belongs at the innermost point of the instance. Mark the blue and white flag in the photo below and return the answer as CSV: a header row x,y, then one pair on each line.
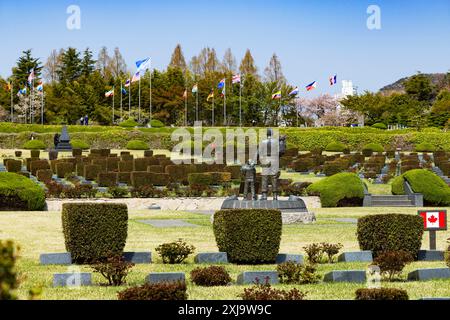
x,y
221,84
294,92
143,65
124,91
22,91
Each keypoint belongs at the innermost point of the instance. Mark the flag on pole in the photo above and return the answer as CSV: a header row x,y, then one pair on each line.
x,y
22,91
276,95
124,91
143,64
31,77
195,88
109,93
127,83
185,94
333,80
211,95
294,92
236,79
136,77
311,86
222,94
40,87
221,84
8,86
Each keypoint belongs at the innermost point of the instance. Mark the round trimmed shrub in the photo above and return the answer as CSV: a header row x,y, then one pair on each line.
x,y
379,125
210,276
79,144
435,191
339,190
129,123
137,145
425,147
155,123
248,236
335,147
94,231
19,192
34,145
390,232
381,294
397,187
375,147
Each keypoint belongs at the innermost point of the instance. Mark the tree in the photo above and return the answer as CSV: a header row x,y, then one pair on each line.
x,y
229,62
25,64
324,110
273,71
103,61
52,65
419,87
87,63
177,59
117,64
70,68
248,65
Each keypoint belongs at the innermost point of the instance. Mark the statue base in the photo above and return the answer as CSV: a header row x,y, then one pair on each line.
x,y
64,146
292,210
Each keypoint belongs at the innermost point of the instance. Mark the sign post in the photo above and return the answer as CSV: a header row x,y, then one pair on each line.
x,y
433,220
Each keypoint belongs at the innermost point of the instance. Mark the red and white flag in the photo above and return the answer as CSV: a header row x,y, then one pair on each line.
x,y
236,79
434,219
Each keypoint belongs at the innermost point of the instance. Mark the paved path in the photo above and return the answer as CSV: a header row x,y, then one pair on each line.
x,y
168,223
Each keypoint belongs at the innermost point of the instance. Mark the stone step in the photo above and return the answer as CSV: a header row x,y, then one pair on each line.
x,y
390,198
393,203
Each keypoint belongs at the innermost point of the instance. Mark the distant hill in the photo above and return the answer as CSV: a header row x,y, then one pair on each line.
x,y
438,79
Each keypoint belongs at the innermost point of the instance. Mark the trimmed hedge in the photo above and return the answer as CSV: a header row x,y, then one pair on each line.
x,y
126,166
137,145
34,145
248,236
64,168
155,169
13,165
390,232
375,147
159,179
208,178
435,191
338,190
155,123
79,144
44,175
19,192
94,231
381,294
124,177
335,147
425,147
379,125
129,123
39,165
397,187
156,291
107,179
91,171
141,178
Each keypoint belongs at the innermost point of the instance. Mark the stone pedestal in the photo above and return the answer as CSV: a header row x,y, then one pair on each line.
x,y
64,141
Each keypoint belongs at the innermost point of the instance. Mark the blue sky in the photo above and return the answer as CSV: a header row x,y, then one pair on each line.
x,y
314,39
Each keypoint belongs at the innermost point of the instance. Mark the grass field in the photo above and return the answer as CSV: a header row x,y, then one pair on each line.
x,y
41,232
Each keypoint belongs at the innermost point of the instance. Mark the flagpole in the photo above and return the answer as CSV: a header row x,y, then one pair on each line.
x,y
12,102
150,96
129,100
32,102
196,106
121,97
185,108
113,106
42,106
139,108
212,122
240,103
225,103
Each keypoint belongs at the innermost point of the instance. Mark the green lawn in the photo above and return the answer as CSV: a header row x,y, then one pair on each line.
x,y
41,232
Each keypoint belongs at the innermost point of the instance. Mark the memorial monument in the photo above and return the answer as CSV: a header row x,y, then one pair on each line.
x,y
64,141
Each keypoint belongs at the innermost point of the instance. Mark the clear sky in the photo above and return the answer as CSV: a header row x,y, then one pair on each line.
x,y
314,39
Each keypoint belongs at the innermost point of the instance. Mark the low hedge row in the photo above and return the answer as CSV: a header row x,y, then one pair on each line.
x,y
19,192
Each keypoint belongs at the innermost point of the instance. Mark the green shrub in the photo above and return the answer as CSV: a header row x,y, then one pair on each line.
x,y
112,164
34,145
175,252
126,166
381,294
248,235
107,179
137,145
332,168
303,165
102,163
79,144
129,123
159,179
294,273
115,269
266,292
379,125
140,178
338,190
156,291
210,276
8,274
64,168
425,147
390,232
155,123
435,191
141,164
375,147
91,171
21,193
331,250
335,147
94,231
148,153
118,192
391,263
44,175
13,165
155,169
35,153
124,177
397,186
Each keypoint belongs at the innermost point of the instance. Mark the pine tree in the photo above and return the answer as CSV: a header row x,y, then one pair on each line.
x,y
248,65
87,63
25,64
70,68
177,60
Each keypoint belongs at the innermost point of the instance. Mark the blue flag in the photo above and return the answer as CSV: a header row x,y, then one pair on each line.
x,y
124,91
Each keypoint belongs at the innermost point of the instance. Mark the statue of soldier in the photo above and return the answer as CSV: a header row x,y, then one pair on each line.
x,y
248,170
269,156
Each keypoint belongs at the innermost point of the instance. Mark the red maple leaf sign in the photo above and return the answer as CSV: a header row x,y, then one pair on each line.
x,y
432,219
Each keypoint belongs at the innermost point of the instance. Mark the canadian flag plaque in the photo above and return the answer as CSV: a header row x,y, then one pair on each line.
x,y
434,219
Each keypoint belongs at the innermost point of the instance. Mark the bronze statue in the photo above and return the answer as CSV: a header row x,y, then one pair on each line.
x,y
248,171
